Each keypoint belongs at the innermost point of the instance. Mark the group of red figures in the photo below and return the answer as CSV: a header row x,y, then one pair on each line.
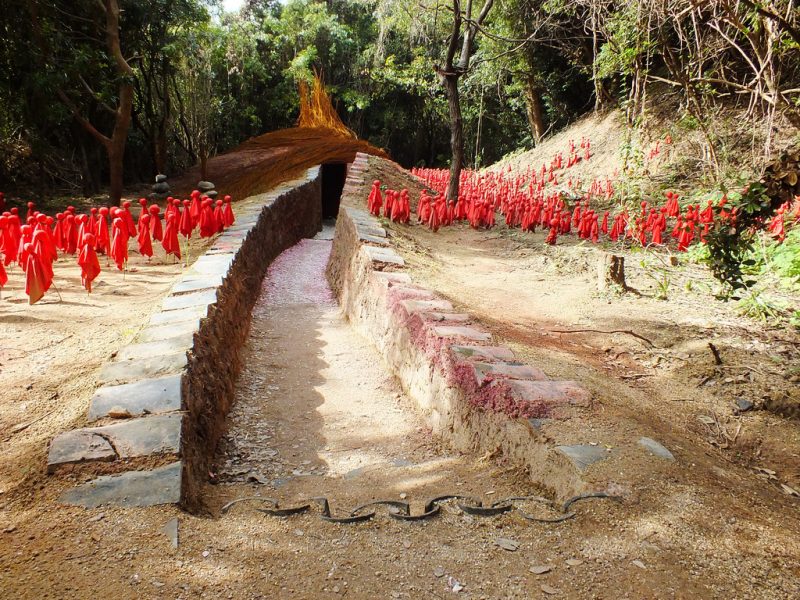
x,y
524,200
35,245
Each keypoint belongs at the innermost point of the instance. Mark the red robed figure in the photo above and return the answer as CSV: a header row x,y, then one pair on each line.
x,y
36,280
87,261
170,241
156,232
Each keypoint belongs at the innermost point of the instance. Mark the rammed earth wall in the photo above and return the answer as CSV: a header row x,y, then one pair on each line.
x,y
471,392
164,399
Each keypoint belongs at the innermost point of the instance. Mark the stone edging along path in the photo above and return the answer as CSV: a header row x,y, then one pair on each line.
x,y
472,393
164,398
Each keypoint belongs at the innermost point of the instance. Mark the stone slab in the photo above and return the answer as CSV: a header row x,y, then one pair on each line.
x,y
173,345
483,353
551,392
484,371
78,446
388,278
127,371
372,239
225,245
656,449
468,333
168,317
165,332
373,230
193,300
216,264
408,292
131,489
417,306
583,455
129,439
149,396
447,317
383,255
196,284
170,529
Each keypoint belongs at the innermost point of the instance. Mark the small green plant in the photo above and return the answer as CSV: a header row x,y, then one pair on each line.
x,y
659,274
758,306
784,258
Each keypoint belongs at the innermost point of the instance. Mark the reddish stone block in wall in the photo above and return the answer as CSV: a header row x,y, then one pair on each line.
x,y
482,353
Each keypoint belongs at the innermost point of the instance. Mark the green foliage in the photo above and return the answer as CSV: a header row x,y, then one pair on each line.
x,y
657,270
731,243
784,258
758,306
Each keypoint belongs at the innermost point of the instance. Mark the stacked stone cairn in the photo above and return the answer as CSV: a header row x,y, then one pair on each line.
x,y
207,188
161,188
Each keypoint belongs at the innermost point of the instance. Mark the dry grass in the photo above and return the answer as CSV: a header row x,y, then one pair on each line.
x,y
262,162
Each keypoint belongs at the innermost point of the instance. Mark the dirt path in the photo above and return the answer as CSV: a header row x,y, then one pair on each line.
x,y
316,414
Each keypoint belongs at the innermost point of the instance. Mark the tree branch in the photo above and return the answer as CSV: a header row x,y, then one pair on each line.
x,y
84,122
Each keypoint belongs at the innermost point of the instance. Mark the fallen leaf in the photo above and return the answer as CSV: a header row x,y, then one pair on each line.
x,y
790,490
454,584
507,544
540,569
549,589
574,562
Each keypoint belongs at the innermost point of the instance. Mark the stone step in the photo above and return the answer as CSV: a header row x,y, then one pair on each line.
x,y
128,371
172,345
485,372
383,255
129,439
196,283
149,396
194,300
482,353
165,332
417,306
131,489
467,333
168,317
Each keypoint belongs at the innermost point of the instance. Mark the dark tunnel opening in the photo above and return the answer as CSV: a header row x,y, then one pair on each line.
x,y
333,178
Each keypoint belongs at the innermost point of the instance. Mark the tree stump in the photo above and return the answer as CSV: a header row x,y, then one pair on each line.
x,y
611,272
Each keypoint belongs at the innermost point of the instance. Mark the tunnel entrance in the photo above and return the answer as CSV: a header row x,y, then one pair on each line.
x,y
333,178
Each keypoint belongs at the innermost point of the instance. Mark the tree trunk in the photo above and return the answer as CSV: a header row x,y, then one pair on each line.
x,y
533,104
611,272
456,135
160,151
115,156
204,165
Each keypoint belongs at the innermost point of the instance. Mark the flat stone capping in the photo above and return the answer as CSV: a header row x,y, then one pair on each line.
x,y
383,255
131,489
168,331
170,345
196,299
176,316
129,439
205,282
148,396
468,333
584,455
475,395
126,371
168,393
483,353
656,449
